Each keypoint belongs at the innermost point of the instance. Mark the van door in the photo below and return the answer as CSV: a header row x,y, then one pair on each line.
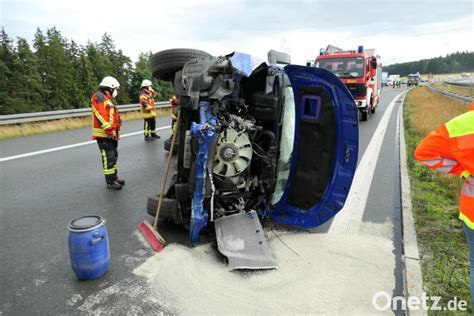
x,y
318,148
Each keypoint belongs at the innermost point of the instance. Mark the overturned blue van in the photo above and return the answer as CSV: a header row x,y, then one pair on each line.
x,y
271,138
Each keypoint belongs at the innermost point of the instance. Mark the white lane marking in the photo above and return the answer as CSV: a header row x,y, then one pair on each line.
x,y
40,152
349,218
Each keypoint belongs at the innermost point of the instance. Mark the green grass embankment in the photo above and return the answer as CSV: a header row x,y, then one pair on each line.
x,y
442,243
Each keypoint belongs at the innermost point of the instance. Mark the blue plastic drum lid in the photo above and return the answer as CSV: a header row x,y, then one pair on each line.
x,y
86,223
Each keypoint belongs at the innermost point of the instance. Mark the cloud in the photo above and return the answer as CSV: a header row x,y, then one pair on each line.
x,y
401,30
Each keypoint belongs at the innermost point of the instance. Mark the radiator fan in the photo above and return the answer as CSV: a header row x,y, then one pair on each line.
x,y
233,153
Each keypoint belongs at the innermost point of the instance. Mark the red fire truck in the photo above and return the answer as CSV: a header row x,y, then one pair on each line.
x,y
361,72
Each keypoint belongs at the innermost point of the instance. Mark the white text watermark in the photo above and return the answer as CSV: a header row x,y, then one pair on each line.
x,y
382,301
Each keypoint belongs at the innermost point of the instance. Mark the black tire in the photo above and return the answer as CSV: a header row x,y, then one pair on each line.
x,y
168,207
365,114
167,144
166,63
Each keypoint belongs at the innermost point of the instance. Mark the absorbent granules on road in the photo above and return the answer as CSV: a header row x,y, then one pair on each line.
x,y
320,273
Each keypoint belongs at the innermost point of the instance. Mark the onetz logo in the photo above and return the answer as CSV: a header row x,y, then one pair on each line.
x,y
382,301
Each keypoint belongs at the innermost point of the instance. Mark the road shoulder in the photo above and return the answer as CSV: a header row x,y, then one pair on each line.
x,y
412,273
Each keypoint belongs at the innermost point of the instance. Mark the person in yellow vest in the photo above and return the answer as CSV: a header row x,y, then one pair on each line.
x,y
147,102
450,150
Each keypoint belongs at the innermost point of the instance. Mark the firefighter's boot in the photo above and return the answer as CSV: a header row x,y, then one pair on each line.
x,y
114,186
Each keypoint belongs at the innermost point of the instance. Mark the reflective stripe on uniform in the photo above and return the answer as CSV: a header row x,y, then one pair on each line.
x,y
465,174
431,163
111,116
107,171
105,124
461,125
445,164
468,187
466,220
149,114
448,165
99,132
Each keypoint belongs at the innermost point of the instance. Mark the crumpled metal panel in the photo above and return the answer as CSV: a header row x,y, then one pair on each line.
x,y
204,132
245,64
240,238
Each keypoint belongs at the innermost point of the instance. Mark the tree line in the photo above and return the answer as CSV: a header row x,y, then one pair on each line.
x,y
452,63
59,74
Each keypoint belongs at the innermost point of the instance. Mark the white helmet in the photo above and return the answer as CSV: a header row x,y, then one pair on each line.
x,y
145,83
109,82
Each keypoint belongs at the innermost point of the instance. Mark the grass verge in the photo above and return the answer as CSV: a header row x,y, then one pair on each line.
x,y
26,129
443,246
468,91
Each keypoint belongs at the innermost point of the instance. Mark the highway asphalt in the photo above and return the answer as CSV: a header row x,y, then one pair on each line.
x,y
40,194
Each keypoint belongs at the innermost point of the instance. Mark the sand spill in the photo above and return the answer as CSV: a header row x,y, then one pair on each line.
x,y
320,274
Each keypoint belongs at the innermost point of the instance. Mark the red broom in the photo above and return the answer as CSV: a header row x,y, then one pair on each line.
x,y
157,242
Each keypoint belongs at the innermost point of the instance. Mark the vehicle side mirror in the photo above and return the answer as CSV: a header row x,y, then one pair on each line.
x,y
276,57
374,63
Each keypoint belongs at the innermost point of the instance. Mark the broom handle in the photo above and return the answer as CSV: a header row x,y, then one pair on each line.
x,y
168,163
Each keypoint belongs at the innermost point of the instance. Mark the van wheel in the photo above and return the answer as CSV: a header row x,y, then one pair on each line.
x,y
365,113
168,207
166,63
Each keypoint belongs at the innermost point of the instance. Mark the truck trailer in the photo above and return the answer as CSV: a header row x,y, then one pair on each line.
x,y
360,70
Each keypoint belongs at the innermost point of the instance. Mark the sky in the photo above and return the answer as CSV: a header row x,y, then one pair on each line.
x,y
400,30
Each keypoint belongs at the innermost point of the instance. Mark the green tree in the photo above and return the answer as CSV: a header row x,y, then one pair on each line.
x,y
122,71
61,74
7,56
451,63
97,61
20,84
142,71
41,53
105,60
26,80
85,76
117,65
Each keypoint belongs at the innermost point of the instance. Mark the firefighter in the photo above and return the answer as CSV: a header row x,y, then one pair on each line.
x,y
106,129
174,116
450,150
174,112
147,102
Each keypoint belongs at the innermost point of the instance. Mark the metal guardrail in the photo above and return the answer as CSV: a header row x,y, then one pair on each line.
x,y
465,83
461,84
56,115
456,96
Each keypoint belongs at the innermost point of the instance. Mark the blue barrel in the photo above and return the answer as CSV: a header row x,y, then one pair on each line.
x,y
88,247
